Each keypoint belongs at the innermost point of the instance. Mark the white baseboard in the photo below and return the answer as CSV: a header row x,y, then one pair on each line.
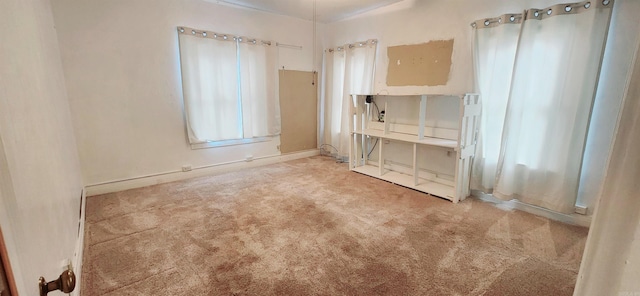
x,y
165,177
574,219
79,252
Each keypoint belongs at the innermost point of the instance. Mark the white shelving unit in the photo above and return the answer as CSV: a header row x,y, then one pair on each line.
x,y
450,133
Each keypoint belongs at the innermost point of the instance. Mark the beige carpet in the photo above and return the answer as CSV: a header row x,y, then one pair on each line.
x,y
311,227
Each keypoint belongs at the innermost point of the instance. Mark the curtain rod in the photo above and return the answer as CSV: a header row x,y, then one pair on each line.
x,y
355,44
221,36
289,46
538,14
509,18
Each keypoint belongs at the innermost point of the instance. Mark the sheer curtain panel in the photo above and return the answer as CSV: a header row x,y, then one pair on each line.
x,y
360,67
348,70
259,91
495,44
210,87
333,94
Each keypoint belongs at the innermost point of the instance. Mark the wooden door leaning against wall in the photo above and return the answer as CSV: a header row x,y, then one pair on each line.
x,y
298,110
7,285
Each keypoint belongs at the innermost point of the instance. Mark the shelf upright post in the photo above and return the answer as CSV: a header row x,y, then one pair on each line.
x,y
415,164
459,170
360,114
367,116
386,118
467,140
380,156
354,116
352,137
423,115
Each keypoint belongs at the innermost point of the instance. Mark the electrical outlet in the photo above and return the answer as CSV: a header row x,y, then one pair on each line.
x,y
186,168
249,157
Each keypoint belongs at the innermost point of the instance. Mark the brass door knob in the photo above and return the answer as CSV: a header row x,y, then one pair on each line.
x,y
65,283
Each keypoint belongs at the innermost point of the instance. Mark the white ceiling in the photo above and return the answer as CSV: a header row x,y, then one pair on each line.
x,y
327,11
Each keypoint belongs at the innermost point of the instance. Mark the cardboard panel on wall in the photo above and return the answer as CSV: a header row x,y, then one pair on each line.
x,y
298,110
426,64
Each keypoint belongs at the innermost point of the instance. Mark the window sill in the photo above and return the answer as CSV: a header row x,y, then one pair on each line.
x,y
216,144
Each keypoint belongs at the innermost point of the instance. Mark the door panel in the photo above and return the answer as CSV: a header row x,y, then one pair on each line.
x,y
299,111
7,285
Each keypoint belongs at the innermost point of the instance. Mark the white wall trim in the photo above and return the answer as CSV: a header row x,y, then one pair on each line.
x,y
574,219
214,169
79,253
234,142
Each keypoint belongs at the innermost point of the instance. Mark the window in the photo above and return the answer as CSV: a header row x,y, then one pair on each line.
x,y
230,88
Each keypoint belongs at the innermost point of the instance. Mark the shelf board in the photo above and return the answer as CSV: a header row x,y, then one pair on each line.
x,y
414,95
433,188
409,138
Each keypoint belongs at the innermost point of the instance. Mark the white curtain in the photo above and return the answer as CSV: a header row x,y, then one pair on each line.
x,y
210,86
548,107
495,51
360,68
333,94
259,90
230,86
348,70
